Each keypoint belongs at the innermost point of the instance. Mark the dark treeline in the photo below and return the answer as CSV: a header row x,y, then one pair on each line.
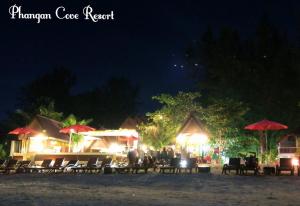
x,y
263,71
108,105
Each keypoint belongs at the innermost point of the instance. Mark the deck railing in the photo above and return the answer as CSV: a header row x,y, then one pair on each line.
x,y
288,149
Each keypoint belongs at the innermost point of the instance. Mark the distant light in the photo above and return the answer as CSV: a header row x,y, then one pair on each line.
x,y
115,148
181,66
175,65
295,162
196,65
183,163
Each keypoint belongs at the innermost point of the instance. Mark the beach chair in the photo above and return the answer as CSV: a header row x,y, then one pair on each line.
x,y
22,165
9,166
251,163
57,166
191,164
234,164
171,168
285,164
68,166
91,166
141,167
38,168
2,163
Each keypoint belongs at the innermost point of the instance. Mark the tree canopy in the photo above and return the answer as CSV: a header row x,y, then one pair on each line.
x,y
222,120
261,70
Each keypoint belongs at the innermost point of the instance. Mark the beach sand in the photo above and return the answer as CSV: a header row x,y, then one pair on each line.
x,y
148,189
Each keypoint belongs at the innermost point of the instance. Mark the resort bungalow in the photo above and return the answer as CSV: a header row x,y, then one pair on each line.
x,y
192,138
48,142
289,145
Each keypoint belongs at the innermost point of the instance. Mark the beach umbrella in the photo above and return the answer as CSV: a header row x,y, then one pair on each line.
x,y
75,129
22,130
266,125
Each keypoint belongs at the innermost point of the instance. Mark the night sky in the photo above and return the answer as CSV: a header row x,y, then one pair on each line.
x,y
143,43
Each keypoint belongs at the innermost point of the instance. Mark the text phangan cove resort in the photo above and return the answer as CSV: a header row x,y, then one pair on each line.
x,y
123,149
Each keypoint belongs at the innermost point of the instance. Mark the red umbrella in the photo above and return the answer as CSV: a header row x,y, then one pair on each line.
x,y
266,125
75,129
22,130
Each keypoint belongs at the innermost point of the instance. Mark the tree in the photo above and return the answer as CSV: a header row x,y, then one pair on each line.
x,y
109,105
222,120
163,124
49,111
53,86
262,71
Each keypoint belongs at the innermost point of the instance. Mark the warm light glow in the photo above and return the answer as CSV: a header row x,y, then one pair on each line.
x,y
295,162
181,139
144,148
116,148
193,139
183,163
37,143
112,133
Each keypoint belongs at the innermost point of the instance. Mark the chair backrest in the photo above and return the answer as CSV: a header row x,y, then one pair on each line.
x,y
191,162
46,162
24,163
235,161
2,162
11,163
72,163
251,161
92,162
285,162
175,162
58,162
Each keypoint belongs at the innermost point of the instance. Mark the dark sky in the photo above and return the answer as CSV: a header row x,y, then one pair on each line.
x,y
143,43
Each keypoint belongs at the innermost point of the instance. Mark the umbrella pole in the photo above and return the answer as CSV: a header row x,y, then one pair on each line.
x,y
70,137
266,136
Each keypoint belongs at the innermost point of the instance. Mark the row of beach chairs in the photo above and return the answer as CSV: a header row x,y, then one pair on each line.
x,y
251,164
48,166
95,166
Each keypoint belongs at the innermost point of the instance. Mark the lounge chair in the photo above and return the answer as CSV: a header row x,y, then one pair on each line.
x,y
234,164
38,168
285,164
57,166
2,163
22,165
91,166
191,164
174,164
251,163
68,166
11,165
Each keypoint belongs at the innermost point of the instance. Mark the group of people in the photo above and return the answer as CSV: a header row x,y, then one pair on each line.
x,y
165,155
